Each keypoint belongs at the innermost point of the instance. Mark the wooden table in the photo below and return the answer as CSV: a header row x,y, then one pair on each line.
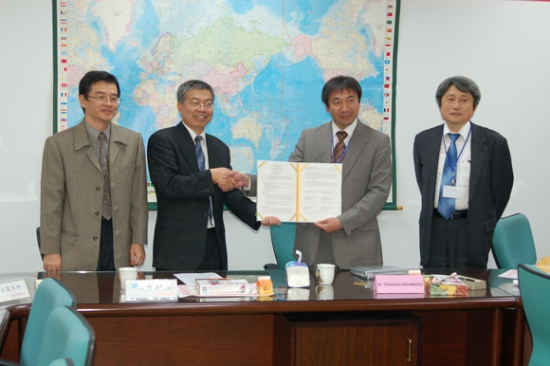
x,y
485,328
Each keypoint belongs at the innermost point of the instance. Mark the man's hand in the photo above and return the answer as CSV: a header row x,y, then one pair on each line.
x,y
225,184
52,262
329,225
242,180
271,221
137,254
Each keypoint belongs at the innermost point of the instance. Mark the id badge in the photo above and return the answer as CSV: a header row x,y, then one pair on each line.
x,y
452,192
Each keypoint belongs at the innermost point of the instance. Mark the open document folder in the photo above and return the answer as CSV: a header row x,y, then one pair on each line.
x,y
299,192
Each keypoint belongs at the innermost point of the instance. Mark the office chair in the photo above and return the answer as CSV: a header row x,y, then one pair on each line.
x,y
513,242
282,240
534,286
50,295
68,335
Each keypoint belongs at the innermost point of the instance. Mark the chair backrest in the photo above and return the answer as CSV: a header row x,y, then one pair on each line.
x,y
282,239
513,242
68,335
534,286
49,295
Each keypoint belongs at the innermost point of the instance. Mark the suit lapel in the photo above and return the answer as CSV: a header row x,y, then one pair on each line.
x,y
82,140
358,141
214,156
479,153
323,137
115,140
431,159
186,146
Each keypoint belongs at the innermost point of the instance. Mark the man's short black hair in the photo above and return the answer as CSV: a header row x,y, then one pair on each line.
x,y
192,85
339,83
92,77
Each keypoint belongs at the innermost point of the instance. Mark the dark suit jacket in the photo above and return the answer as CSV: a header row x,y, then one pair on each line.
x,y
491,180
183,194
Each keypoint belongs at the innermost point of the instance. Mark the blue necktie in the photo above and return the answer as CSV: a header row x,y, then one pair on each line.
x,y
202,166
446,206
199,154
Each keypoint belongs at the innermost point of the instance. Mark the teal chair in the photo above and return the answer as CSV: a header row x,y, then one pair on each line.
x,y
282,240
50,295
534,286
513,242
69,336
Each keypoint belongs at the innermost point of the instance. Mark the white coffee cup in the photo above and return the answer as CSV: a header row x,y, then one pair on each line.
x,y
325,292
127,273
325,273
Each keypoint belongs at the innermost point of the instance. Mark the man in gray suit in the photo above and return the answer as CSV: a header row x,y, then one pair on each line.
x,y
93,204
353,238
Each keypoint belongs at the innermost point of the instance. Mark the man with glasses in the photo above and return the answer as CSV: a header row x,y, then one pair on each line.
x,y
93,204
187,167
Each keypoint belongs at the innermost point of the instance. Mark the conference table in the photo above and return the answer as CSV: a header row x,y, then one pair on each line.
x,y
343,324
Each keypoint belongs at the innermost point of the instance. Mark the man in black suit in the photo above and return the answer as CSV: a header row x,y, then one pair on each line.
x,y
464,172
187,167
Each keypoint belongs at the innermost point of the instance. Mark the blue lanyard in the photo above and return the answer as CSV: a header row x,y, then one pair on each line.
x,y
343,152
454,164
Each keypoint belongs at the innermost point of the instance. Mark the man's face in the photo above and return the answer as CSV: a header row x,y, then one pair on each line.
x,y
197,109
456,108
100,109
343,107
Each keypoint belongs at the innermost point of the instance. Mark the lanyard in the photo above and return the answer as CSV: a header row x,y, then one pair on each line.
x,y
343,152
455,163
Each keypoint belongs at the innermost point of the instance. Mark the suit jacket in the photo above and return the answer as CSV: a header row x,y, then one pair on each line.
x,y
183,196
366,183
491,180
72,193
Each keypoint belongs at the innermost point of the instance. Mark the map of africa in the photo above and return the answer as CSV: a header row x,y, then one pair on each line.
x,y
266,60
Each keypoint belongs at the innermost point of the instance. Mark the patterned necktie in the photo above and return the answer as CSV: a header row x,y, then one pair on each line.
x,y
339,148
199,153
446,206
106,211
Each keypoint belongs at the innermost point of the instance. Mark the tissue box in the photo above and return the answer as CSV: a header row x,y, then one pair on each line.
x,y
442,285
297,274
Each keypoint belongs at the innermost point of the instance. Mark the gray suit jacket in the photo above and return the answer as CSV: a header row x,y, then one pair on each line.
x,y
366,183
71,195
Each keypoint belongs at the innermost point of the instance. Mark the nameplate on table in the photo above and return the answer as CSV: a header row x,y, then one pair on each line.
x,y
398,284
151,290
13,290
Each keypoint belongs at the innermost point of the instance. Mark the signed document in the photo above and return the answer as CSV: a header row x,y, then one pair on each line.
x,y
299,192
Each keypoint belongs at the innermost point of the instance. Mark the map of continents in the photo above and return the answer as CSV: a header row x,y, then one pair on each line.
x,y
266,60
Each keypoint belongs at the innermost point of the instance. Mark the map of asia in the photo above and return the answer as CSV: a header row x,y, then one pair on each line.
x,y
267,61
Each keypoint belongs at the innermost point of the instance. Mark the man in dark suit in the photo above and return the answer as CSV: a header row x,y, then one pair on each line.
x,y
187,167
464,172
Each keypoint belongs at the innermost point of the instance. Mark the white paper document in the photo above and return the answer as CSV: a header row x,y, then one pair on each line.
x,y
299,192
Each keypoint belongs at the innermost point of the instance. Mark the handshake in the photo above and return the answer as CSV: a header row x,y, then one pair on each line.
x,y
228,180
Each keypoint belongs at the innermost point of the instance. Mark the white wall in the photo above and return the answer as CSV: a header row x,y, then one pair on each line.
x,y
503,45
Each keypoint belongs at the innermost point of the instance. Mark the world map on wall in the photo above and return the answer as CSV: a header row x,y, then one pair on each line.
x,y
266,60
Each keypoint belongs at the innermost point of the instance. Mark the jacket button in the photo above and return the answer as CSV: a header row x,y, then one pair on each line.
x,y
95,238
98,188
96,213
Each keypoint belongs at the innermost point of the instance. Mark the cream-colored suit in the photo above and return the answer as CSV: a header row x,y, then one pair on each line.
x,y
71,196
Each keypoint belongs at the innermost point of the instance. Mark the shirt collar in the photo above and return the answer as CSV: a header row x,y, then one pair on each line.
x,y
93,134
194,134
349,130
463,131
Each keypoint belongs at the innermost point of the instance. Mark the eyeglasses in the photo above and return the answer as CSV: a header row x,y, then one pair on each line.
x,y
196,104
104,99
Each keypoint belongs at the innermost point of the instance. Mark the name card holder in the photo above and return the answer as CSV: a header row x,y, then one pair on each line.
x,y
13,290
398,284
151,290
